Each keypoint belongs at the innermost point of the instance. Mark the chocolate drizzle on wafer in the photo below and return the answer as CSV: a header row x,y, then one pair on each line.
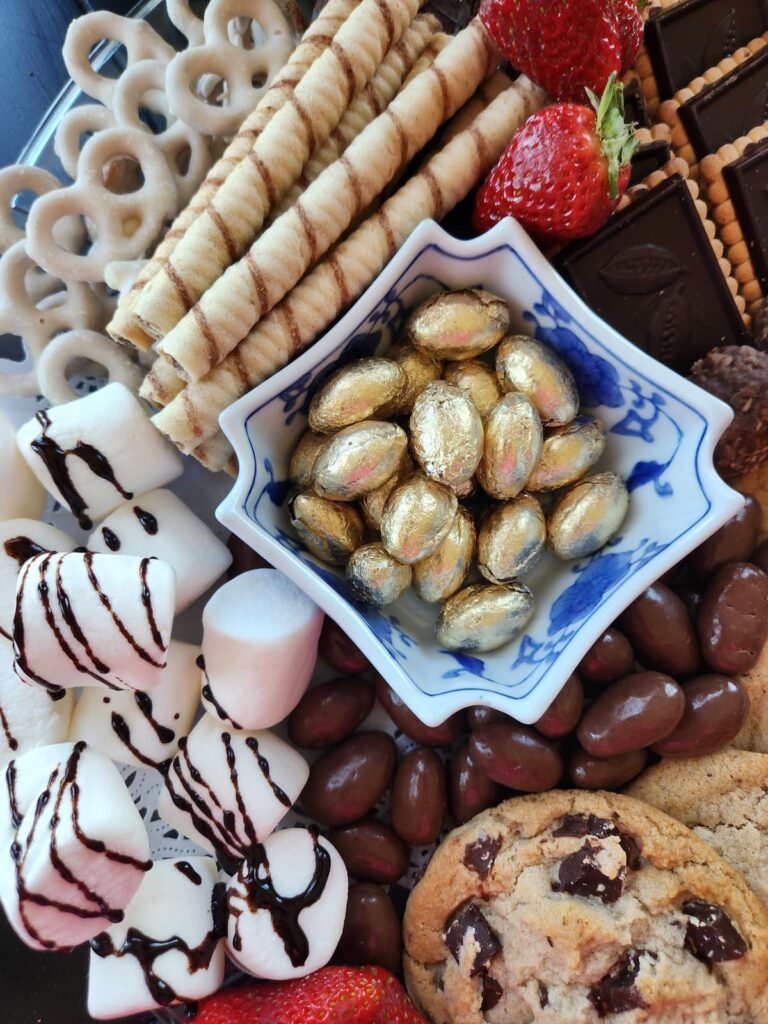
x,y
62,785
55,457
261,894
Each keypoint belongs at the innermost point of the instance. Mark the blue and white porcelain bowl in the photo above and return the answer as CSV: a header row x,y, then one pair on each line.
x,y
662,431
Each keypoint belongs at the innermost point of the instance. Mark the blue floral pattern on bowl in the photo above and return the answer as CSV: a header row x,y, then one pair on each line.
x,y
661,434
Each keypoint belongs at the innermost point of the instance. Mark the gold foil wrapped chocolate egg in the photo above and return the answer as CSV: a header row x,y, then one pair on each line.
x,y
477,380
420,369
446,434
511,539
375,577
567,454
372,504
441,574
358,459
459,324
417,516
482,617
588,515
467,489
513,438
303,459
366,389
526,365
329,529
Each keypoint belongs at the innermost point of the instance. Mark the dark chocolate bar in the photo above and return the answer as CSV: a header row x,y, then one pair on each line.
x,y
635,111
651,273
728,109
685,40
747,181
647,159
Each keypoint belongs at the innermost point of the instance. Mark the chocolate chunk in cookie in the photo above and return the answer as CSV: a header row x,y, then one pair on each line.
x,y
711,935
492,993
616,992
480,855
580,874
469,919
578,825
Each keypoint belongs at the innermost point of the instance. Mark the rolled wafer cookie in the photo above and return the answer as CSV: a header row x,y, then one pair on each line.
x,y
281,255
367,104
162,383
192,417
317,39
735,202
669,111
225,229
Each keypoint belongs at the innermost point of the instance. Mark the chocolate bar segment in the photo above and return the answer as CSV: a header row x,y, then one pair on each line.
x,y
685,40
747,181
647,159
728,109
652,274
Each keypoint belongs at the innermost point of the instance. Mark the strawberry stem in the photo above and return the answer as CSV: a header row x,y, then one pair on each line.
x,y
617,138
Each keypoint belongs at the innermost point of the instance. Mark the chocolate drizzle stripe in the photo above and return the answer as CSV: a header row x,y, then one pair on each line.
x,y
71,620
54,458
147,602
164,733
234,778
10,739
122,730
186,869
21,549
209,695
147,520
261,894
110,538
253,745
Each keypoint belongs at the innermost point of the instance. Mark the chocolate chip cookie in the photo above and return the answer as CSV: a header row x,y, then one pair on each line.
x,y
723,797
572,908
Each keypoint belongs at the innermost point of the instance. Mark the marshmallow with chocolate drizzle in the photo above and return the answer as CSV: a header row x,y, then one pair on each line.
x,y
169,947
28,716
160,525
93,620
74,846
140,728
20,540
228,789
97,452
260,636
286,905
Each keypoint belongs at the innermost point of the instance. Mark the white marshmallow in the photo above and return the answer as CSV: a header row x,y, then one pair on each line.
x,y
82,870
159,524
247,783
21,493
294,863
260,636
111,426
100,620
29,718
19,538
173,907
136,728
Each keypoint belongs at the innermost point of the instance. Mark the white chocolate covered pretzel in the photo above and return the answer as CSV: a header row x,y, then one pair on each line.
x,y
186,150
186,21
73,305
237,67
124,225
140,40
67,350
77,122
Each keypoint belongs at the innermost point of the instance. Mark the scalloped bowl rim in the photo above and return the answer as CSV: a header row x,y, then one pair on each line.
x,y
434,708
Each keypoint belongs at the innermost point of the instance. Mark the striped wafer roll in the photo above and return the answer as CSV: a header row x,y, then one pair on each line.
x,y
436,45
315,41
225,229
278,259
192,417
368,104
216,454
161,384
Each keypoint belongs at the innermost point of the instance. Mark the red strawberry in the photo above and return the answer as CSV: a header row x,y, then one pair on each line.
x,y
333,995
564,45
630,29
564,170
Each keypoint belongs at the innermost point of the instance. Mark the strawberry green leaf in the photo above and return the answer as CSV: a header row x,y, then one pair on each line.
x,y
617,138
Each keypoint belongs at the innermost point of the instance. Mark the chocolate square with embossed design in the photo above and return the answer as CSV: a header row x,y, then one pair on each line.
x,y
729,108
747,181
685,40
651,273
